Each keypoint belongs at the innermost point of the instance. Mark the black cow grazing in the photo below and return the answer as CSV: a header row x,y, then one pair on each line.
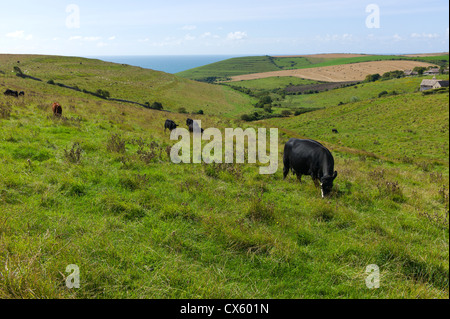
x,y
9,92
169,124
308,157
189,122
21,93
335,131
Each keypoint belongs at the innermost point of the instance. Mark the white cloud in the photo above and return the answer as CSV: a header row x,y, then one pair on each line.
x,y
189,27
89,39
112,38
396,37
425,35
238,35
19,35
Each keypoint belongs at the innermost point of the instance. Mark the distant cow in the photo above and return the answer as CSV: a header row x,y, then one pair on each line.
x,y
193,126
9,92
21,93
308,157
169,124
335,131
57,109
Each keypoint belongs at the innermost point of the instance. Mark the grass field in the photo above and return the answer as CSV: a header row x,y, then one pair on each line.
x,y
361,92
97,189
126,82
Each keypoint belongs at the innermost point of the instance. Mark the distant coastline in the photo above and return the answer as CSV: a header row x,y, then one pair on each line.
x,y
166,63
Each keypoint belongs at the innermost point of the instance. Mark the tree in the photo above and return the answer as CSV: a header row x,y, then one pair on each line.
x,y
372,77
156,106
419,70
18,70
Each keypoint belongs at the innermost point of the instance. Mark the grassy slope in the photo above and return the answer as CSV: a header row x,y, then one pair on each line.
x,y
128,82
153,229
248,65
363,91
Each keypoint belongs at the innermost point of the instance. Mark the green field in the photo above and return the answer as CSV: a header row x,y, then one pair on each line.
x,y
247,65
360,92
97,189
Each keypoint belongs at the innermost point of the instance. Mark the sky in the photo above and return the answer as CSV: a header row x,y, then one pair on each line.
x,y
226,27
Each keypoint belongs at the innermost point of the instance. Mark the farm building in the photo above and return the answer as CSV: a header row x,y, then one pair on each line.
x,y
433,84
410,73
433,71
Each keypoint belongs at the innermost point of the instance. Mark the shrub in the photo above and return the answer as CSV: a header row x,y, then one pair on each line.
x,y
116,144
382,93
372,77
74,155
103,94
286,113
156,106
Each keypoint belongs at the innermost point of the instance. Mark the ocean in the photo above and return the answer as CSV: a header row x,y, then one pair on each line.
x,y
166,63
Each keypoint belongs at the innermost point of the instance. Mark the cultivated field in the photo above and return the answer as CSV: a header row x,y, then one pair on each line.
x,y
338,73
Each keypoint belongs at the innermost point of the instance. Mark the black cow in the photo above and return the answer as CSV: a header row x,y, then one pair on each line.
x,y
169,124
195,125
21,93
308,157
9,92
335,131
189,122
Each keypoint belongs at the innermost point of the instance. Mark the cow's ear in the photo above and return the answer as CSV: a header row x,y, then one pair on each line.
x,y
335,174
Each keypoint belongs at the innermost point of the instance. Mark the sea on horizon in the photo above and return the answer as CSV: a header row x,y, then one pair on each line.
x,y
165,63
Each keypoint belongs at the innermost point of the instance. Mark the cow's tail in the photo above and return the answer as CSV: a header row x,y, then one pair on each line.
x,y
286,164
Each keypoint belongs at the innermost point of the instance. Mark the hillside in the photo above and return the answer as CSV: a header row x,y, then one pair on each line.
x,y
226,69
97,189
122,82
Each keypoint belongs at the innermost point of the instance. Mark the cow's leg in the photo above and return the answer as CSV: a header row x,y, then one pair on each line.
x,y
299,177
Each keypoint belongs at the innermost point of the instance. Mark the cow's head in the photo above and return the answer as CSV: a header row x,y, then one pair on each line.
x,y
326,184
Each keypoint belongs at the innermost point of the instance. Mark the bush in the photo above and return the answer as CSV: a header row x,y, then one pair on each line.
x,y
382,93
286,113
372,77
103,94
155,105
74,155
116,144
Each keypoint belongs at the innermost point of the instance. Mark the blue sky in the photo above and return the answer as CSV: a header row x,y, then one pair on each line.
x,y
174,27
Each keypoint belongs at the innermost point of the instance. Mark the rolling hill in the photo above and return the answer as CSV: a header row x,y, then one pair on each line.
x,y
122,82
224,70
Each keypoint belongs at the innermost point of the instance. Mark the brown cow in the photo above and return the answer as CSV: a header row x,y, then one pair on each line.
x,y
57,109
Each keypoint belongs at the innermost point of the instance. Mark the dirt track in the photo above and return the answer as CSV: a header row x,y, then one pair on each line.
x,y
339,73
